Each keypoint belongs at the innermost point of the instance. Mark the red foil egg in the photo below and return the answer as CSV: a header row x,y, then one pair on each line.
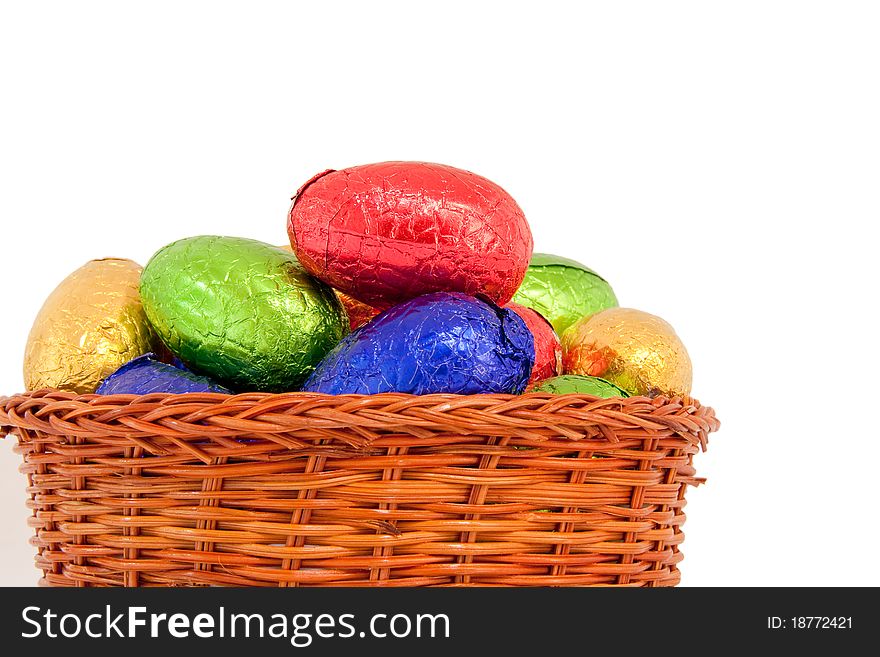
x,y
388,232
548,349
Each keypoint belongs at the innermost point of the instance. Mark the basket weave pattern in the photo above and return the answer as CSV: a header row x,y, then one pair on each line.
x,y
384,490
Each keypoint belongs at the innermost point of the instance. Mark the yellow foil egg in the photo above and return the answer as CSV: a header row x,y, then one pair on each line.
x,y
636,351
91,324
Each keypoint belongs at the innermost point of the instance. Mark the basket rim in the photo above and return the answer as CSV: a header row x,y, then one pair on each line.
x,y
212,416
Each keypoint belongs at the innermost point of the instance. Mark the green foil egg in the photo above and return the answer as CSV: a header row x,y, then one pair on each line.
x,y
240,311
563,290
576,384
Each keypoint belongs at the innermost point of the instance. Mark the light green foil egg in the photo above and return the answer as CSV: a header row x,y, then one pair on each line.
x,y
563,290
579,385
240,311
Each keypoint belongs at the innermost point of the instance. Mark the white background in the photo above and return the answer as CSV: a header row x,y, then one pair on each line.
x,y
717,162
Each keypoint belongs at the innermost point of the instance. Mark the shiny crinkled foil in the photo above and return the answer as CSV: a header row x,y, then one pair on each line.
x,y
91,324
445,342
391,231
548,349
637,351
242,312
358,312
563,290
146,374
576,384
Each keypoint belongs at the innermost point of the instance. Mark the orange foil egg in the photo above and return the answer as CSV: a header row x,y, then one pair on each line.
x,y
91,325
636,351
358,312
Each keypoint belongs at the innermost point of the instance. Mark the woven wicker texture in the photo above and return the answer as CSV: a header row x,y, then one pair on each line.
x,y
386,490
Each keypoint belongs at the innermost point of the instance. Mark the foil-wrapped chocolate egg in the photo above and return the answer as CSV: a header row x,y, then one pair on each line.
x,y
445,342
146,374
388,232
548,349
90,325
568,384
241,312
358,312
634,350
563,290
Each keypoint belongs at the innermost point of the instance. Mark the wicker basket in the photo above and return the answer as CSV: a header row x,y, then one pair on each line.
x,y
385,490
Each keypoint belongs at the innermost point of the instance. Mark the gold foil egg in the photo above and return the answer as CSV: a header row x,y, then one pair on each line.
x,y
91,324
634,350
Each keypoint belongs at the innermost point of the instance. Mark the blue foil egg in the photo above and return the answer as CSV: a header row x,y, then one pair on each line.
x,y
444,342
146,374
